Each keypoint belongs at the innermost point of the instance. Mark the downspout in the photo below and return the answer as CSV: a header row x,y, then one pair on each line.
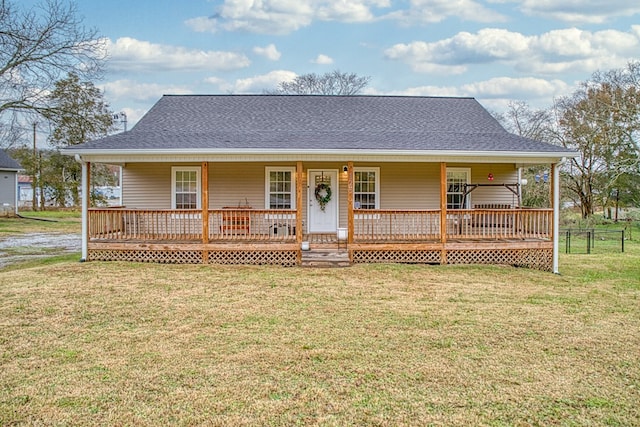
x,y
85,208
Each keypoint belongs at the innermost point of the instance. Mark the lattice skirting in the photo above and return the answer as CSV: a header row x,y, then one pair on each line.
x,y
255,257
399,256
539,259
284,258
159,256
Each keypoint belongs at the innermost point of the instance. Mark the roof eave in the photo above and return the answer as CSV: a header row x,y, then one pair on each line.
x,y
339,152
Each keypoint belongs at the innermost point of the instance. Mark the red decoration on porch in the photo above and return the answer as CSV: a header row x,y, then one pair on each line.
x,y
490,177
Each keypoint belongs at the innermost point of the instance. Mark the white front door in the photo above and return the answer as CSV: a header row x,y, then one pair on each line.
x,y
323,201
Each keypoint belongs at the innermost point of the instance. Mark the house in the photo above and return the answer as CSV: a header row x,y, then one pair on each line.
x,y
8,184
256,178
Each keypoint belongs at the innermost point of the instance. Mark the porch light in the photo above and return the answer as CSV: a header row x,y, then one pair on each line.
x,y
345,169
490,177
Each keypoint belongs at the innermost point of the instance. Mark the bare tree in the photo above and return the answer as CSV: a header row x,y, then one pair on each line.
x,y
601,120
332,83
38,47
522,120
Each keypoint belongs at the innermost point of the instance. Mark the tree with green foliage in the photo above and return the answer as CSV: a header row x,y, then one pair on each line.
x,y
79,114
331,83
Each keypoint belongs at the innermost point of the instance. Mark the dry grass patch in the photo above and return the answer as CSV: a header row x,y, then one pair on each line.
x,y
143,344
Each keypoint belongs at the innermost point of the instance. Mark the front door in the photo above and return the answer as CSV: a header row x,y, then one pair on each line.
x,y
323,201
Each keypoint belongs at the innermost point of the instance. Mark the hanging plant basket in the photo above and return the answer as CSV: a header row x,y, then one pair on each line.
x,y
323,195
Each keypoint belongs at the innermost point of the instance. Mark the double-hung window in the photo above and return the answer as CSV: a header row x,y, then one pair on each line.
x,y
280,192
185,187
457,178
366,188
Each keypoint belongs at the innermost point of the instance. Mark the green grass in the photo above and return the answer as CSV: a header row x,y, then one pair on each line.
x,y
41,222
145,344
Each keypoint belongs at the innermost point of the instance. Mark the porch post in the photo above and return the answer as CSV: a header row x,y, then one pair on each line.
x,y
299,184
555,204
86,178
443,211
204,178
350,223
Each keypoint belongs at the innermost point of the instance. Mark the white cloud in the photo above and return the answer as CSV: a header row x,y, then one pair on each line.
x,y
136,55
432,11
139,92
552,52
286,16
270,52
496,93
323,60
495,88
255,84
580,11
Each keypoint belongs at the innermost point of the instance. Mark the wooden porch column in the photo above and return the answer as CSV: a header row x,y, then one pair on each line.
x,y
299,185
443,211
86,196
204,183
349,205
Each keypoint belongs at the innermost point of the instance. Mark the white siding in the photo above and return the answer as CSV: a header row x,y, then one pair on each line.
x,y
402,185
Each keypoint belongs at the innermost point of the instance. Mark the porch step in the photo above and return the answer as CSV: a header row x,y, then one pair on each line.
x,y
325,258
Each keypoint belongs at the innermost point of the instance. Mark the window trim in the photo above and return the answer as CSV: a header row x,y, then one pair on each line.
x,y
467,201
198,171
267,185
376,170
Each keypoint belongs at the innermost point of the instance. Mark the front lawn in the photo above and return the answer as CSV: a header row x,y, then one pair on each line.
x,y
144,344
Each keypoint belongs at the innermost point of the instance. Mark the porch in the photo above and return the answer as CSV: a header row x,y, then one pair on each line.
x,y
515,236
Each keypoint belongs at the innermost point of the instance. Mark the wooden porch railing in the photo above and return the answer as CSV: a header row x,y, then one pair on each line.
x,y
396,225
252,224
140,224
224,224
280,225
499,223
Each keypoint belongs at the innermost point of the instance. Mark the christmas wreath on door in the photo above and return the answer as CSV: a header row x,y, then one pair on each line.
x,y
323,195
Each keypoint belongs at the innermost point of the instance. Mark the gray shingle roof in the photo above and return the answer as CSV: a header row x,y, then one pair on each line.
x,y
297,122
7,163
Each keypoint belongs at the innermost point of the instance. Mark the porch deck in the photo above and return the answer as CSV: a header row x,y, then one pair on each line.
x,y
244,236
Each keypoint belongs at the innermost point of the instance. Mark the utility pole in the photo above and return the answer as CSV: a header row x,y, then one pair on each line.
x,y
34,178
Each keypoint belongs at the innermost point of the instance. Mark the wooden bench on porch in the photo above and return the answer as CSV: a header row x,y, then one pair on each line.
x,y
235,222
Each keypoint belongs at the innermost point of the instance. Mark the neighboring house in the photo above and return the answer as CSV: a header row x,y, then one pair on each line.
x,y
8,183
25,192
392,179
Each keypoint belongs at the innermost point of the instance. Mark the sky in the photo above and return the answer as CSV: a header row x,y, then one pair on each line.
x,y
496,51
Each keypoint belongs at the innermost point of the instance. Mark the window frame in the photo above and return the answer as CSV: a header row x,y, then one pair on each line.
x,y
375,170
198,192
467,200
267,186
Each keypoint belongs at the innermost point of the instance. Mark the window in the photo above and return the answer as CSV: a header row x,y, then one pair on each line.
x,y
366,188
185,187
456,180
280,188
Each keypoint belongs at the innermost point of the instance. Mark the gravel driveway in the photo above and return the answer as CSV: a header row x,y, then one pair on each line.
x,y
17,248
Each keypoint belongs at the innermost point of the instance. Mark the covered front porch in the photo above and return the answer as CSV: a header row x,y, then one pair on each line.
x,y
488,234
